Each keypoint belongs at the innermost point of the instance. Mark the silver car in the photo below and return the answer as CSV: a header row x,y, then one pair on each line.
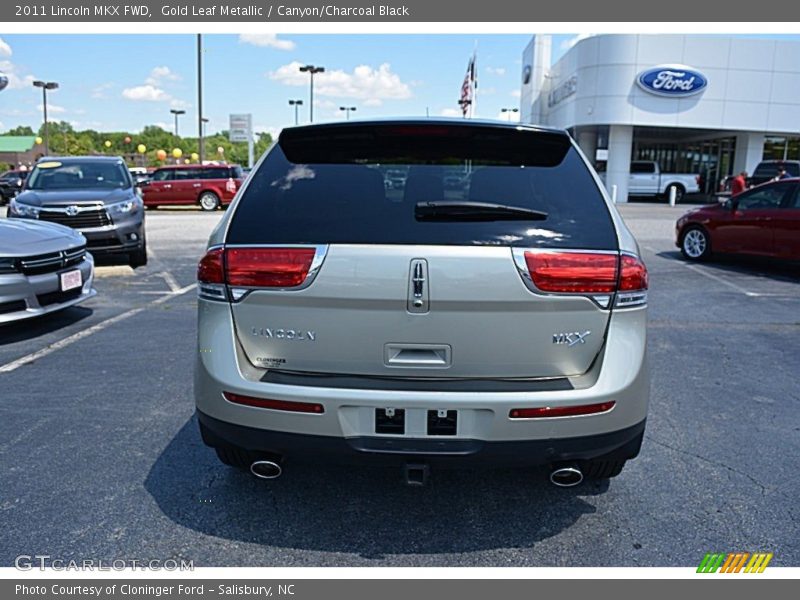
x,y
498,322
44,267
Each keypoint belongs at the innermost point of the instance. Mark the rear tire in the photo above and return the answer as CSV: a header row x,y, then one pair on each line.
x,y
695,243
209,201
603,469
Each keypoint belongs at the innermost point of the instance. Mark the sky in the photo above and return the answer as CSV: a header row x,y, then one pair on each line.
x,y
125,82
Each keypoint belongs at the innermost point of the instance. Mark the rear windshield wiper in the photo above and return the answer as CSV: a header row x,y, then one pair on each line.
x,y
461,210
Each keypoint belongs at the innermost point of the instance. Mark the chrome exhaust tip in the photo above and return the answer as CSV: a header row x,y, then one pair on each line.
x,y
566,476
266,469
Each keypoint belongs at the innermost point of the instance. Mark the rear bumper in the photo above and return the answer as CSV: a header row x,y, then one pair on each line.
x,y
621,445
620,375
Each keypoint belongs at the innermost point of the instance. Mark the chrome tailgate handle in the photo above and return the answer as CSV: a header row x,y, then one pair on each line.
x,y
437,356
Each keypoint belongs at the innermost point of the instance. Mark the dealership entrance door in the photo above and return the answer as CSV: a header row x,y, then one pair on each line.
x,y
708,154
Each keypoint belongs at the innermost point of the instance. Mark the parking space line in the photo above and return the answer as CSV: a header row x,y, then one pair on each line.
x,y
69,340
171,282
719,279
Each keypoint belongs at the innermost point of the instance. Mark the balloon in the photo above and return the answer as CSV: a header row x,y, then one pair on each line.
x,y
195,156
141,148
38,141
3,81
127,139
108,143
161,155
177,153
220,150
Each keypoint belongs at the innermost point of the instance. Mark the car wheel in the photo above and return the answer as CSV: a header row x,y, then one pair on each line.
x,y
695,244
209,201
603,469
138,258
679,192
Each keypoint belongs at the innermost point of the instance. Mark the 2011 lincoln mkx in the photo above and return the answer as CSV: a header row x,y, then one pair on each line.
x,y
497,320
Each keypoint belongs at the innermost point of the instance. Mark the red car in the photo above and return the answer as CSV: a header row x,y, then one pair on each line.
x,y
764,220
209,186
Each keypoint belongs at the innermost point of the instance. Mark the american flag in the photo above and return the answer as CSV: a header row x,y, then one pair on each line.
x,y
468,88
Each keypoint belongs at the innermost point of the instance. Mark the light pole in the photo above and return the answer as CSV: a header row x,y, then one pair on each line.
x,y
200,142
311,70
204,122
509,111
45,85
348,110
296,104
176,113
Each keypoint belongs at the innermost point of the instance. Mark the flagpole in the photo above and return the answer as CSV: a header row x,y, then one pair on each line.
x,y
474,82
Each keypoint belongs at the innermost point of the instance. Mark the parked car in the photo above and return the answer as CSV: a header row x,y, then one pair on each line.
x,y
11,183
44,267
93,194
139,175
762,221
646,179
339,320
209,186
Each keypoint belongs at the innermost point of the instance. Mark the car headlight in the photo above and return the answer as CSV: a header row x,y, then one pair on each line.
x,y
18,209
123,208
7,265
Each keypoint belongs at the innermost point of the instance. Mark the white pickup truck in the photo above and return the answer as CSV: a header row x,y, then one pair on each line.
x,y
646,179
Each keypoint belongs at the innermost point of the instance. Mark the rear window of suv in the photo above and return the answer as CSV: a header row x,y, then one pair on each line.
x,y
346,184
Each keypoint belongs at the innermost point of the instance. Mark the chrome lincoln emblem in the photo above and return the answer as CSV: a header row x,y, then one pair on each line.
x,y
571,338
418,288
72,210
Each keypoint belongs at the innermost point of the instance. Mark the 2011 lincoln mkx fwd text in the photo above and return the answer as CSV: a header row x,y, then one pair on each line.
x,y
423,293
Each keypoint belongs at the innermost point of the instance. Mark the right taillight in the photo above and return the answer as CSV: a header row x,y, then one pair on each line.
x,y
245,268
597,275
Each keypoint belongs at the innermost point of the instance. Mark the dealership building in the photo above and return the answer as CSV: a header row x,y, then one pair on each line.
x,y
708,105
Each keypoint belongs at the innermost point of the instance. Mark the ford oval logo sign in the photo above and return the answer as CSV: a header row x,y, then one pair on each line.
x,y
672,80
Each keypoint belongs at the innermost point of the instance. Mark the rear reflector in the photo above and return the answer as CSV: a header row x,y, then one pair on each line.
x,y
268,267
285,405
560,411
573,272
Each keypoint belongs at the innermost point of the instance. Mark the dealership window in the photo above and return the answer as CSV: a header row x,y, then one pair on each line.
x,y
782,148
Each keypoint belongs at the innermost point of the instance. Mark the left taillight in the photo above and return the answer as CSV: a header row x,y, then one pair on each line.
x,y
240,269
268,267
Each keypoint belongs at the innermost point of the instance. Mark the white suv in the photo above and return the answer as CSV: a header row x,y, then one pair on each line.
x,y
501,321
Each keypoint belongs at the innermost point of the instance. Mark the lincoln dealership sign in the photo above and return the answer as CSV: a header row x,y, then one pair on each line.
x,y
672,80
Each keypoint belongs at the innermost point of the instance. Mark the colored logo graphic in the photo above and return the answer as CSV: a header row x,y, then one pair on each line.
x,y
735,562
672,80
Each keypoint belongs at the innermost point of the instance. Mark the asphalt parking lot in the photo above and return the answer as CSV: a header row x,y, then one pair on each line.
x,y
102,458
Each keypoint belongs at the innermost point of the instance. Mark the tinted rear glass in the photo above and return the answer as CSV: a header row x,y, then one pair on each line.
x,y
361,184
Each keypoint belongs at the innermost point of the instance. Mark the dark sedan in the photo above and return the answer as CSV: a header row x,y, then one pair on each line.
x,y
11,183
762,221
93,194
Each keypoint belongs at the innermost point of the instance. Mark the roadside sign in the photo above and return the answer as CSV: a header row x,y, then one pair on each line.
x,y
241,128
